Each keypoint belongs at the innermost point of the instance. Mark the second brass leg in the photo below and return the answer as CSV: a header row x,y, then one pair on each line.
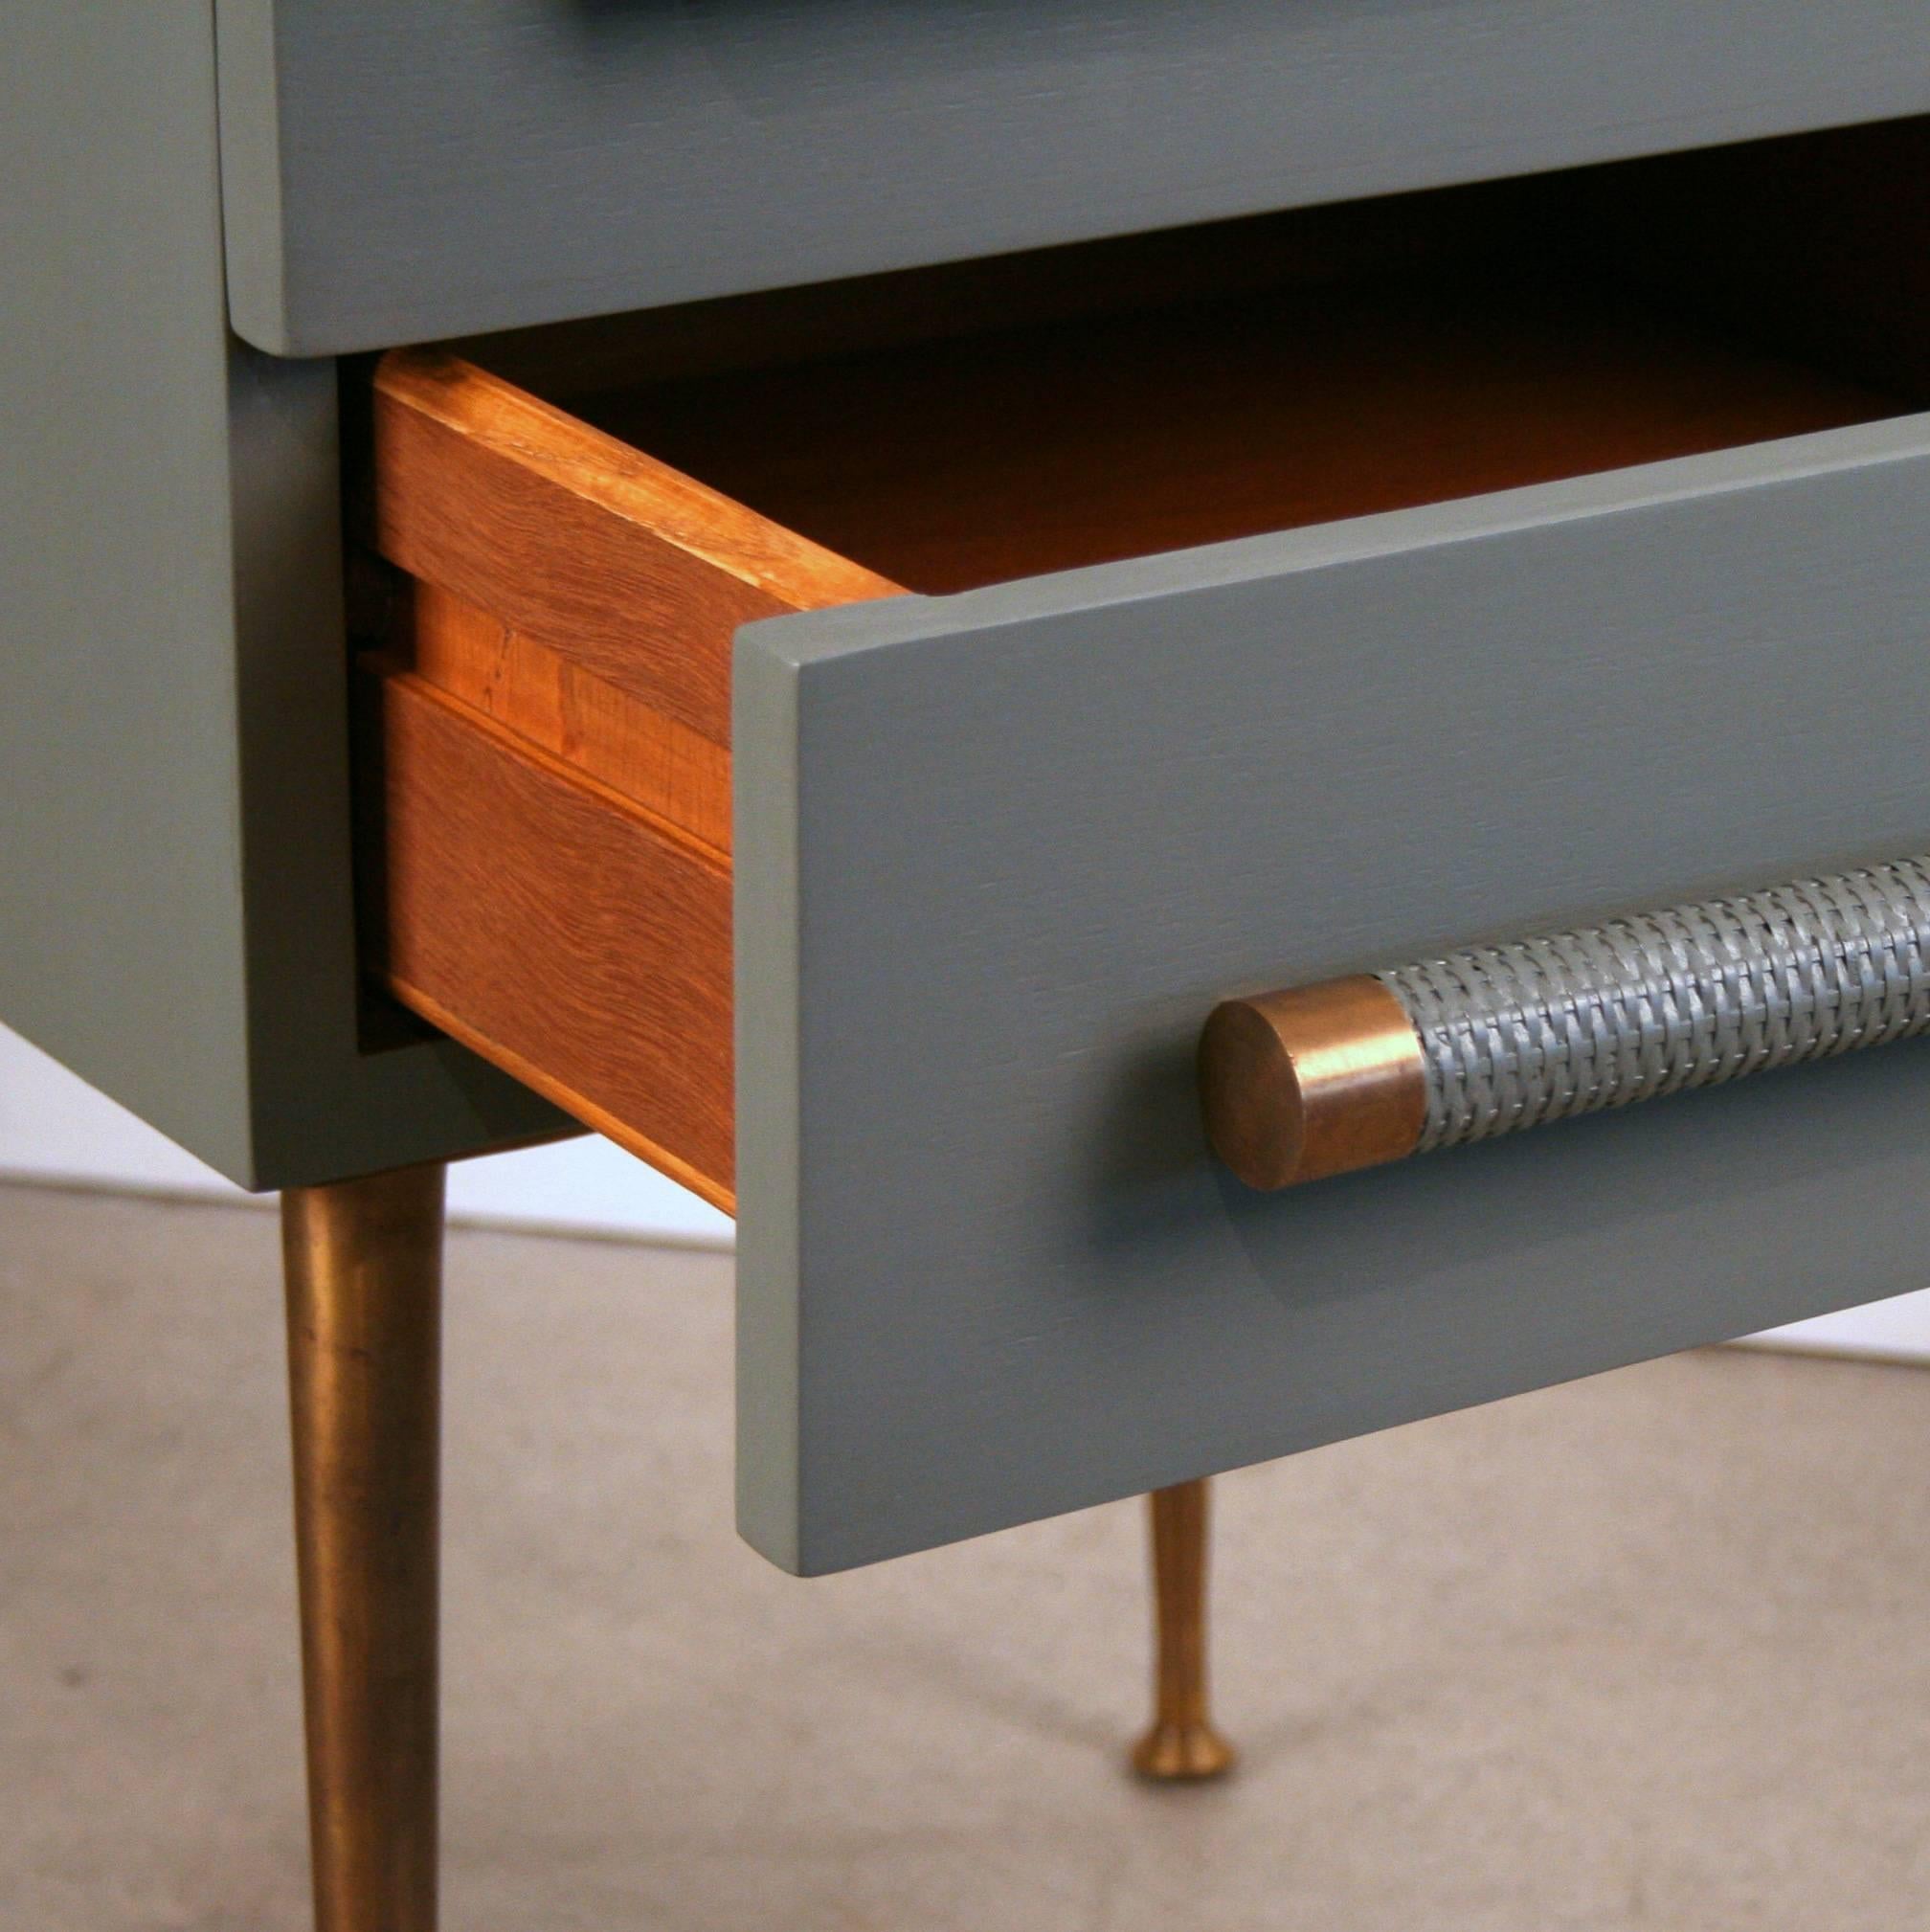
x,y
1182,1743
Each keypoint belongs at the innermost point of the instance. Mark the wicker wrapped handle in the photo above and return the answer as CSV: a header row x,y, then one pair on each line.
x,y
1318,1080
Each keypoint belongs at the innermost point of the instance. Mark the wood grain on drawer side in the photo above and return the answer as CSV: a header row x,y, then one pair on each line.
x,y
629,569
556,928
546,762
545,696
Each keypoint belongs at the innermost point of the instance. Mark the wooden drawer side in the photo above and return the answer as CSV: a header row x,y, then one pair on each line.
x,y
545,754
629,569
553,925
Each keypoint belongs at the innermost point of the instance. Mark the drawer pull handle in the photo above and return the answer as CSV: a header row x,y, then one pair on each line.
x,y
1318,1080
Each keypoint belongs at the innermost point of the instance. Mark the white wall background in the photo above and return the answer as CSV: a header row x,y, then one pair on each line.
x,y
53,1127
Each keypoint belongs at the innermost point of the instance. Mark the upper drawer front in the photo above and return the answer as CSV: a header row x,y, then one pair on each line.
x,y
400,169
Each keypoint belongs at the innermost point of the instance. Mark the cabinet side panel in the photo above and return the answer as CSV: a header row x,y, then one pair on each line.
x,y
120,947
174,896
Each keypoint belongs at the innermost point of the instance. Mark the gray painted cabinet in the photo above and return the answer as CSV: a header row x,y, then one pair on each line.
x,y
997,853
175,915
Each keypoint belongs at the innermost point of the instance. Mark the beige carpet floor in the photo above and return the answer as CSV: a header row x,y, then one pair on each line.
x,y
1649,1651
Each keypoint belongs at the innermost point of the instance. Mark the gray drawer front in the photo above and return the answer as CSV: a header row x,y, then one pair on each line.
x,y
400,169
998,854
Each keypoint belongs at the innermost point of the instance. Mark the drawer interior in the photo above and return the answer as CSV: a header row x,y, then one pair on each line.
x,y
966,461
584,514
959,427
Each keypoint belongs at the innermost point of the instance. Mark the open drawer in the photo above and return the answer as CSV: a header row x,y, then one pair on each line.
x,y
1275,599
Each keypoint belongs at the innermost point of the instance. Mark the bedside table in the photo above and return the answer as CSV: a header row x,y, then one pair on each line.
x,y
811,589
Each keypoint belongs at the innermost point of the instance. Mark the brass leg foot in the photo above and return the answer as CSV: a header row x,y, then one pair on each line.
x,y
363,1263
1182,1743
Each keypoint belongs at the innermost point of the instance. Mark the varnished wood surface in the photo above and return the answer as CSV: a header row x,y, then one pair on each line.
x,y
547,879
949,464
600,552
554,925
547,697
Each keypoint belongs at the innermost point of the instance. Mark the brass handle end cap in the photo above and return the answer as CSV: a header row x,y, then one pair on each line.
x,y
1312,1081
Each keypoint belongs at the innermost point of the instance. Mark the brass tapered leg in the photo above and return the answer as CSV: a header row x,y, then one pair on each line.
x,y
1182,1743
362,1265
